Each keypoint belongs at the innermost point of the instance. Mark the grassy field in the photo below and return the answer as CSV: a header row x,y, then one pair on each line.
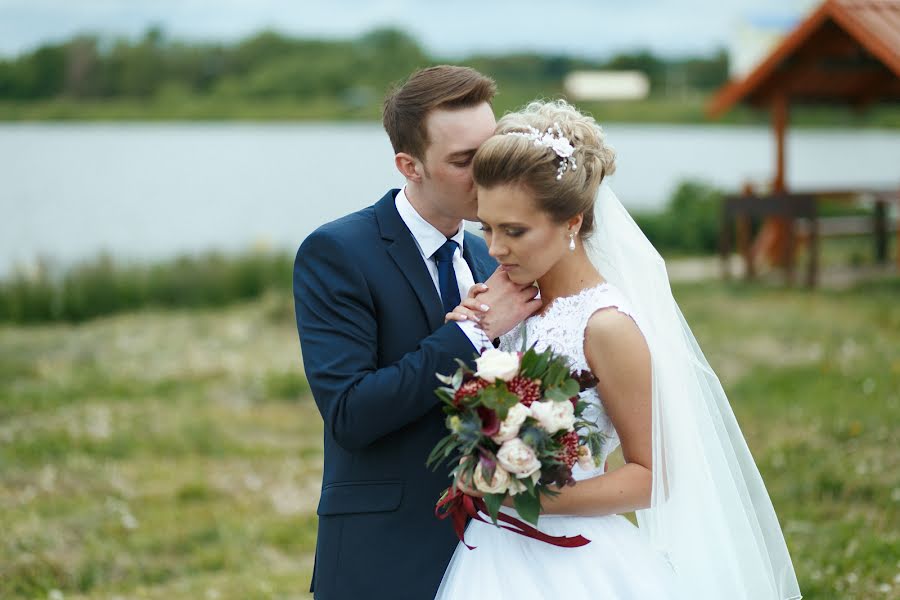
x,y
176,454
194,108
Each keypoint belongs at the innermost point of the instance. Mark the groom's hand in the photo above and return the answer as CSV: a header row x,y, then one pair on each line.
x,y
508,304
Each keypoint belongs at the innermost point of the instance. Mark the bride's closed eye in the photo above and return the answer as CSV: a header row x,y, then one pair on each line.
x,y
511,232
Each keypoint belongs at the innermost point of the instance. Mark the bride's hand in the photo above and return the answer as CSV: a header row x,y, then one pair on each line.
x,y
470,309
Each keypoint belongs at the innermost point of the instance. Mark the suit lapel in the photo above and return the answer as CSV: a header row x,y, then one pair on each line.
x,y
403,250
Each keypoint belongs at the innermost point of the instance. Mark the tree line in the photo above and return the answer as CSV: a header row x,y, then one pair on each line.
x,y
352,72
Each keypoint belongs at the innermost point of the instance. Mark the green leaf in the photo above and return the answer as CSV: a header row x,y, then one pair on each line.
x,y
534,436
557,372
499,399
556,394
441,451
527,363
595,443
444,394
528,507
444,379
493,502
457,379
570,388
540,366
463,366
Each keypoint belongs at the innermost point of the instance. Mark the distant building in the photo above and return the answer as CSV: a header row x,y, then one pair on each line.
x,y
607,85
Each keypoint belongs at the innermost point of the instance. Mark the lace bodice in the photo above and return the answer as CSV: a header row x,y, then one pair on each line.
x,y
561,327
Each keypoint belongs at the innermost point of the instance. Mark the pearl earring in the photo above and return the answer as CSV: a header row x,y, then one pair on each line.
x,y
572,241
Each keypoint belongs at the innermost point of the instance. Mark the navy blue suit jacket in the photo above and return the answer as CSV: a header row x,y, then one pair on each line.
x,y
373,336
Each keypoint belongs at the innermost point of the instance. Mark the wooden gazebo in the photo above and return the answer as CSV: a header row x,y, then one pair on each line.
x,y
845,52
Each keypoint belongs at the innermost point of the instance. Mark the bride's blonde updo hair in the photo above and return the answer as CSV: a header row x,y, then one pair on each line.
x,y
513,159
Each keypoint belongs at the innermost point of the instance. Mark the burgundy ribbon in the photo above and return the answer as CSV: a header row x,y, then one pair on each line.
x,y
459,506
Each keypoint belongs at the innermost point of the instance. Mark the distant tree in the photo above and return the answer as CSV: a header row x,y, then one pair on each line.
x,y
352,73
644,61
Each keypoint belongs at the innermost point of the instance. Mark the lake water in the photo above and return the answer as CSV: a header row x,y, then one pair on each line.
x,y
152,190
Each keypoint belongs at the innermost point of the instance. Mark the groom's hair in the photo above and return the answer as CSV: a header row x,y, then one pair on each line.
x,y
407,106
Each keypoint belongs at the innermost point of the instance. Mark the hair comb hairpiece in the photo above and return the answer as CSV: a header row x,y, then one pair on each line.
x,y
554,139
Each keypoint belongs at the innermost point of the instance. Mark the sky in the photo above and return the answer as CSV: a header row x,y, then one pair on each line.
x,y
593,29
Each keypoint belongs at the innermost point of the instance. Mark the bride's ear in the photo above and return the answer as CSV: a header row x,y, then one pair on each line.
x,y
574,224
407,165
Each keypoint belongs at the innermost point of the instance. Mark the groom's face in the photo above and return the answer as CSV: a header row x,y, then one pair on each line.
x,y
454,136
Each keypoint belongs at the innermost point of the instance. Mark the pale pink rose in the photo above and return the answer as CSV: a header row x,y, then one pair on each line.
x,y
554,416
518,458
517,487
495,364
585,458
509,428
497,485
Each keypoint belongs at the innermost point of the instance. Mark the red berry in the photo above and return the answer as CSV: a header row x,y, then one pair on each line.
x,y
528,390
569,453
469,389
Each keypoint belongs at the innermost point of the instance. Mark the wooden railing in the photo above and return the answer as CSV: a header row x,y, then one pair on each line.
x,y
799,212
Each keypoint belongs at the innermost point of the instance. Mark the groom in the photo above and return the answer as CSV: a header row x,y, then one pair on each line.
x,y
371,290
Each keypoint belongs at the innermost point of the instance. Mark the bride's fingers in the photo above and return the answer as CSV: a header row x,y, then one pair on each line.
x,y
474,304
478,288
468,312
461,313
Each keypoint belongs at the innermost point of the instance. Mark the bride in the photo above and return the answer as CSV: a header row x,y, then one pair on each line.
x,y
706,527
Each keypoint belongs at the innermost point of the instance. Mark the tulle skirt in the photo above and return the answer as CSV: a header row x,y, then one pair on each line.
x,y
618,564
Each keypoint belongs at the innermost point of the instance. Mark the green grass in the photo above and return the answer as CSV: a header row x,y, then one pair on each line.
x,y
509,98
102,286
176,454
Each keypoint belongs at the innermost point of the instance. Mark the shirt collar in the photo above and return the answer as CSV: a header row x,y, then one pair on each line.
x,y
427,236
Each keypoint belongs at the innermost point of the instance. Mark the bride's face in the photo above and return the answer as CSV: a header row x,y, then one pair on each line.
x,y
524,239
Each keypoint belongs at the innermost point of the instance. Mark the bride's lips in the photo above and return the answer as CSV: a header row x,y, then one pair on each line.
x,y
507,268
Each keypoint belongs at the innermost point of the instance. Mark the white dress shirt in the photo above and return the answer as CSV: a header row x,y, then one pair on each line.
x,y
428,239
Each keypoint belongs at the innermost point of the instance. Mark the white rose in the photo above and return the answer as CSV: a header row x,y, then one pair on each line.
x,y
495,364
517,487
497,485
554,416
585,458
518,458
509,428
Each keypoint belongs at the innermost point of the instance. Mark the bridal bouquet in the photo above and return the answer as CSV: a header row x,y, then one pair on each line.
x,y
516,428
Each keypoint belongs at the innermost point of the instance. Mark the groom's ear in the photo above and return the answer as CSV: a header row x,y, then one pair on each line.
x,y
408,166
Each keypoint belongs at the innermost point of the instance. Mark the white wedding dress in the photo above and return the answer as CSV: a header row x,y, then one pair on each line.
x,y
619,563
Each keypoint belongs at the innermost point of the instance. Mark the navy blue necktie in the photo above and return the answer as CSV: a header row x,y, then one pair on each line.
x,y
446,275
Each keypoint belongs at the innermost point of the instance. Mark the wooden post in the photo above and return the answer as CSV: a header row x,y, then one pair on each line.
x,y
743,244
898,235
880,231
779,125
772,237
812,275
725,235
789,251
744,232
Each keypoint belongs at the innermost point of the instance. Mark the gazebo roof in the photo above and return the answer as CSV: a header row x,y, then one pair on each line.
x,y
844,52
